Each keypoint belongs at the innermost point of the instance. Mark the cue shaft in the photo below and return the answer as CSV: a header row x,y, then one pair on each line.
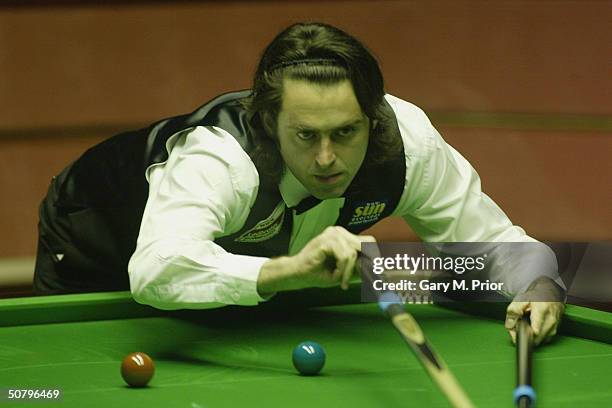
x,y
441,375
412,334
524,359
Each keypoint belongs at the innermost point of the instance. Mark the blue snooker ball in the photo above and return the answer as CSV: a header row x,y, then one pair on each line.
x,y
308,358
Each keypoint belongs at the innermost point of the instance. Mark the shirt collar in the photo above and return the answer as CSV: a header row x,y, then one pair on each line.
x,y
291,190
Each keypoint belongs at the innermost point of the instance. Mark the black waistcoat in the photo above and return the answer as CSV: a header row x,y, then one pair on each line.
x,y
105,190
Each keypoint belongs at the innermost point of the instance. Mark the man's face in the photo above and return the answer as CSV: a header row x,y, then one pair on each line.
x,y
323,135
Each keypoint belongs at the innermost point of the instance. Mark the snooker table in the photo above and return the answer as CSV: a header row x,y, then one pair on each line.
x,y
241,356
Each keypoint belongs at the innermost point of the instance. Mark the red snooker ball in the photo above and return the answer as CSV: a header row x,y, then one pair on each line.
x,y
137,369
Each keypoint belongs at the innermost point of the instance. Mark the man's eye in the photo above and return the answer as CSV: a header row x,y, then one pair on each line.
x,y
306,134
346,131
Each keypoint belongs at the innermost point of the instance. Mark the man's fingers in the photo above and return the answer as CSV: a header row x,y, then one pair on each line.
x,y
354,242
538,317
348,272
340,254
546,315
515,311
338,250
512,333
344,255
551,335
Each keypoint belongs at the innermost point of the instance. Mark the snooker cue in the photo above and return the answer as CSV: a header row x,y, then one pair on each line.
x,y
524,394
412,334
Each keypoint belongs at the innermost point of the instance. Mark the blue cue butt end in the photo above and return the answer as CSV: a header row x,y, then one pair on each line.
x,y
524,391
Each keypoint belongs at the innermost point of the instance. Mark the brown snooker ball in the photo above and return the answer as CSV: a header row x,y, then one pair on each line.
x,y
137,369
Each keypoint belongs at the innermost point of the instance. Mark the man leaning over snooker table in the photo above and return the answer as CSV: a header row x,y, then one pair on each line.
x,y
254,192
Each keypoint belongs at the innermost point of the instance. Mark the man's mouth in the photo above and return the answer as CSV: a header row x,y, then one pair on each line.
x,y
329,179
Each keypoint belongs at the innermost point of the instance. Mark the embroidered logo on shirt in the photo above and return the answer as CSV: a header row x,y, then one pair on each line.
x,y
267,228
367,212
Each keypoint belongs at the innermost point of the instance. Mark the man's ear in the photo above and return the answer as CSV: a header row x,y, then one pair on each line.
x,y
374,124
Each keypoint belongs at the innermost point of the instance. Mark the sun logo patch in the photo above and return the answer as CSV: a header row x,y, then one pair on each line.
x,y
367,212
267,228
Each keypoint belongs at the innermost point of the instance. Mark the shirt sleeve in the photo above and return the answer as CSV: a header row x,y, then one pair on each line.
x,y
443,201
204,190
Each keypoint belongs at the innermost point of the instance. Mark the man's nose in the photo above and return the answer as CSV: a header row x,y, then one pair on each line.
x,y
325,154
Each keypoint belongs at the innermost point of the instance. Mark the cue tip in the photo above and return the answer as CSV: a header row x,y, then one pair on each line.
x,y
387,299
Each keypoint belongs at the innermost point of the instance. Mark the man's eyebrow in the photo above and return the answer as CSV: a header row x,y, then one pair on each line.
x,y
299,126
351,122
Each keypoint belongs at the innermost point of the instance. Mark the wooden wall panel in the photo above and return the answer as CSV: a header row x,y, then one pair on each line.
x,y
554,184
83,65
25,171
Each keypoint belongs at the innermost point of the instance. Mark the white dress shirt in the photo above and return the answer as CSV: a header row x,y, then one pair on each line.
x,y
208,185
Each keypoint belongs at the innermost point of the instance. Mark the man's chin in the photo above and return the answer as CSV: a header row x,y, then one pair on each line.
x,y
327,193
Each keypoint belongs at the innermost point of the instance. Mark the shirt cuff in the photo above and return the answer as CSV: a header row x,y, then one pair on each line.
x,y
241,275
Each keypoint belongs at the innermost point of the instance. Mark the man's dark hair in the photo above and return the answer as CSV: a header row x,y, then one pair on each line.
x,y
321,54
